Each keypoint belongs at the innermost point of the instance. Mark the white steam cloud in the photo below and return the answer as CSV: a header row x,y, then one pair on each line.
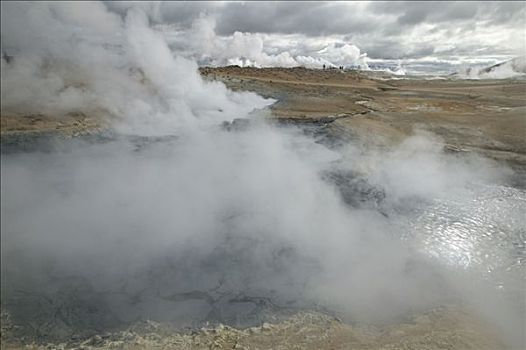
x,y
212,214
259,50
63,61
513,68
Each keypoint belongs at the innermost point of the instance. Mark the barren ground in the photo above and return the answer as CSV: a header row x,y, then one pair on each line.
x,y
487,116
443,328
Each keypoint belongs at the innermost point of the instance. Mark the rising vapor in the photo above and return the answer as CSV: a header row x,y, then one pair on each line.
x,y
173,217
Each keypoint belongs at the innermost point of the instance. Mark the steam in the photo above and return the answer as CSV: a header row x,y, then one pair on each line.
x,y
201,43
261,211
513,68
120,69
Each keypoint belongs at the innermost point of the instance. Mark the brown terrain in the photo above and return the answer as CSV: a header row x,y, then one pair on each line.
x,y
485,116
71,124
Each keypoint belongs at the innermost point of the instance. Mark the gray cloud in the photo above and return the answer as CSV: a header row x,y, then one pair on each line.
x,y
416,12
180,13
387,30
311,19
382,29
326,18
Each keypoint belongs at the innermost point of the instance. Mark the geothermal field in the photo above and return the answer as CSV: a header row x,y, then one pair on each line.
x,y
183,176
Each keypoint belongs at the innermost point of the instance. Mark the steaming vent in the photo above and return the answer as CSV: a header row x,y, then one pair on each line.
x,y
186,205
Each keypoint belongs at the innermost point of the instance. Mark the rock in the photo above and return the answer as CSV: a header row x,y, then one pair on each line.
x,y
254,330
119,344
355,189
266,327
93,341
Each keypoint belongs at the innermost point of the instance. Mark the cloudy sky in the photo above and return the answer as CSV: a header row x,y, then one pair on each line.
x,y
426,37
388,30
